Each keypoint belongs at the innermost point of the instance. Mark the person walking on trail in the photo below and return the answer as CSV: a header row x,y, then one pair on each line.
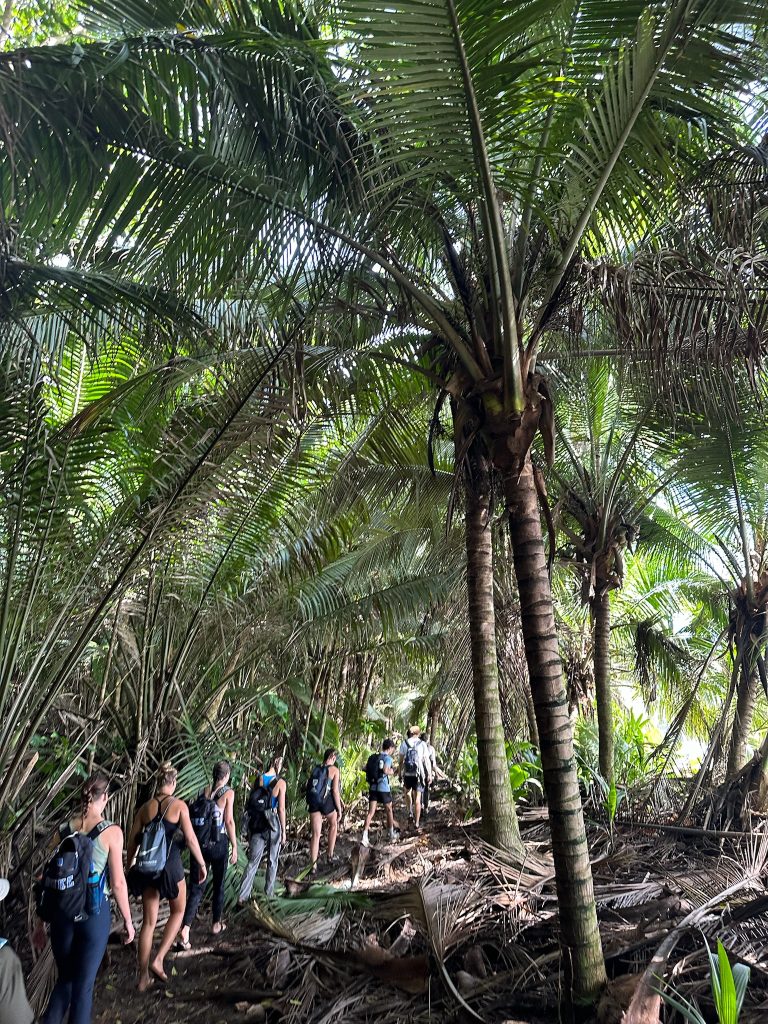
x,y
156,871
433,774
324,802
219,851
77,907
265,828
378,771
14,1005
415,771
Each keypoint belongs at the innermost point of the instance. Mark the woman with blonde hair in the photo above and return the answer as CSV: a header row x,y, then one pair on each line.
x,y
78,946
167,883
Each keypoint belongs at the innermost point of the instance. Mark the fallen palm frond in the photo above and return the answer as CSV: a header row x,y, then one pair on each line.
x,y
297,928
645,1004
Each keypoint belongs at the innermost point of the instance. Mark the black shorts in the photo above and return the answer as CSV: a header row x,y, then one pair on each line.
x,y
413,782
325,808
375,796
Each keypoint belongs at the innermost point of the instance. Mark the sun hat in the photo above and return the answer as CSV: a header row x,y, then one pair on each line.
x,y
5,887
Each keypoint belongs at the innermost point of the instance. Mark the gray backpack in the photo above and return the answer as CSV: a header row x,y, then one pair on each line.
x,y
153,848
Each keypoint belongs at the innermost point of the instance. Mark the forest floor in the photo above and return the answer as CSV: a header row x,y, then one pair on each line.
x,y
440,927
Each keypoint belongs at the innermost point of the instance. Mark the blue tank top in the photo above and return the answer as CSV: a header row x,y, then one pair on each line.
x,y
266,779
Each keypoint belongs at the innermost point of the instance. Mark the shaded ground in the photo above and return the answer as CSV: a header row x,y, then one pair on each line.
x,y
439,927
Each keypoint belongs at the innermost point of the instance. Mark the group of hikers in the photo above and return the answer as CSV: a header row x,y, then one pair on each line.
x,y
86,865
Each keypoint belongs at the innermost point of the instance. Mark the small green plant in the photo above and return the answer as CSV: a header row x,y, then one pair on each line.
x,y
729,986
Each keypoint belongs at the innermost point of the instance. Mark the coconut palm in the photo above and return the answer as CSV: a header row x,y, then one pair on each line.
x,y
464,158
611,470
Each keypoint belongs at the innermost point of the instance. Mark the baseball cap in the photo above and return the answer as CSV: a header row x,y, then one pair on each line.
x,y
5,886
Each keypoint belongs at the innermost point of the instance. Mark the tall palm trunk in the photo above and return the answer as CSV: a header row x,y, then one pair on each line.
x,y
584,965
497,803
742,722
601,637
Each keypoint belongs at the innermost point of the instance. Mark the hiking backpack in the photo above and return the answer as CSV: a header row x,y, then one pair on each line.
x,y
259,802
318,784
153,848
374,770
412,763
70,889
206,821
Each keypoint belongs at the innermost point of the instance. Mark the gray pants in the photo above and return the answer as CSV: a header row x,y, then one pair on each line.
x,y
257,845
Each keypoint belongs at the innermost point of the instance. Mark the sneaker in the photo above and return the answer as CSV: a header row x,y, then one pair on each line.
x,y
364,840
394,834
410,815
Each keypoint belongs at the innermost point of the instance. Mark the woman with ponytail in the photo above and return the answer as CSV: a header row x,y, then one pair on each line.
x,y
78,946
167,884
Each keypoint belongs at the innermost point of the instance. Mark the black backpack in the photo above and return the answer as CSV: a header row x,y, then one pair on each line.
x,y
202,815
374,769
317,785
69,889
206,823
259,802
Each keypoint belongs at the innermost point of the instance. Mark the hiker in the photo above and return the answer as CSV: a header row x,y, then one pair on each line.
x,y
324,801
415,771
264,825
377,772
156,871
14,1005
213,821
76,905
433,774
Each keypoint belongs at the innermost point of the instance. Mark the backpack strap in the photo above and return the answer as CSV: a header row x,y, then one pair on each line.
x,y
220,792
159,816
98,829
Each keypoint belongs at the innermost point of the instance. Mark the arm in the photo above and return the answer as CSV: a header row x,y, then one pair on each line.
x,y
336,790
427,762
281,787
189,834
114,835
229,825
133,837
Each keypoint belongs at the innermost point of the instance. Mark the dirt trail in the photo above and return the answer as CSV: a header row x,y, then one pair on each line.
x,y
440,927
226,978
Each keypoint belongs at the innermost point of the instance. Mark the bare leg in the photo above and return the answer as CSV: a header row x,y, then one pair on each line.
x,y
391,823
316,821
170,931
371,812
333,828
150,900
417,808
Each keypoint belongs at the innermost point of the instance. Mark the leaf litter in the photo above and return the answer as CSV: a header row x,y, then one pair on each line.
x,y
442,927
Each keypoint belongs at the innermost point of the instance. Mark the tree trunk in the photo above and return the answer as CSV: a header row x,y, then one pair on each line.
x,y
600,606
742,722
583,956
433,717
496,801
530,714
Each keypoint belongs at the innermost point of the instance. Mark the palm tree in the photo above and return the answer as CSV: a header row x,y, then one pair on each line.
x,y
464,160
725,501
611,470
496,799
